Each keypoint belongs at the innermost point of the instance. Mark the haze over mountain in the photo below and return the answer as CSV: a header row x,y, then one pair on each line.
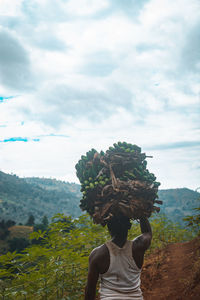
x,y
20,197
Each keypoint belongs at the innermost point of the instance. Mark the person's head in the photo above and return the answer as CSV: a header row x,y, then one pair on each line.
x,y
119,226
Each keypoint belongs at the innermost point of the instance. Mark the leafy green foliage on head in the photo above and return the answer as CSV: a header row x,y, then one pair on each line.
x,y
84,169
89,165
93,174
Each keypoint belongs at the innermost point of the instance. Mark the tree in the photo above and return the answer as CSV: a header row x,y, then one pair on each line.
x,y
31,220
45,222
18,244
4,232
10,223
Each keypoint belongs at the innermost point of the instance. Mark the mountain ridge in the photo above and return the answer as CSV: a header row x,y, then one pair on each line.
x,y
20,197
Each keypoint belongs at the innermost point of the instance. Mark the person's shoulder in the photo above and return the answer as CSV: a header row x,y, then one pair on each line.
x,y
98,252
142,241
99,259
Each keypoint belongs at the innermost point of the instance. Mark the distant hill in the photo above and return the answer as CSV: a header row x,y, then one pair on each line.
x,y
20,197
178,203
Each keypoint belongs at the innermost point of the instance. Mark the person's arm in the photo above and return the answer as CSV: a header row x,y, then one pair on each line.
x,y
143,241
93,275
146,233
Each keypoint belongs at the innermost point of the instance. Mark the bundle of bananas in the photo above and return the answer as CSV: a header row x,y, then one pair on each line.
x,y
117,182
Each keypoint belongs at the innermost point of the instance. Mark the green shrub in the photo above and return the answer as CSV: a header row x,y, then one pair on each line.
x,y
56,268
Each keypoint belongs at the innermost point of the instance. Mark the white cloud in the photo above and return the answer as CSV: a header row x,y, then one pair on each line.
x,y
85,7
99,72
10,7
15,71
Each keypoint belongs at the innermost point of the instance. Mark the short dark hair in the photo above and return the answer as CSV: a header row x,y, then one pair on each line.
x,y
119,225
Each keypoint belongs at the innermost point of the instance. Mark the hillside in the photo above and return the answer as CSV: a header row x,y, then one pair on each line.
x,y
178,203
20,197
173,272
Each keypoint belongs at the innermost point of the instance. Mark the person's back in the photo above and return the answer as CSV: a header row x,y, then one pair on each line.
x,y
118,263
123,275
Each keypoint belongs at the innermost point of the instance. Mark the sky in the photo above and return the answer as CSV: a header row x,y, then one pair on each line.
x,y
82,74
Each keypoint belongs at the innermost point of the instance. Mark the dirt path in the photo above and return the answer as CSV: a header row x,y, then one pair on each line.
x,y
173,273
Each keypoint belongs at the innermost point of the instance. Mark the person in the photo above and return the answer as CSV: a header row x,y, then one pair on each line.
x,y
118,262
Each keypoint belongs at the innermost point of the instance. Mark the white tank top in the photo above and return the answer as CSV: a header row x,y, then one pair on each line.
x,y
122,280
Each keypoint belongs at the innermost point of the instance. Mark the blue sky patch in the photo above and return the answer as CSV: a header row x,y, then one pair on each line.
x,y
25,139
14,139
2,99
19,139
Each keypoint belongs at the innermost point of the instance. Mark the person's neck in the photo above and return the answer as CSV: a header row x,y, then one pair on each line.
x,y
119,240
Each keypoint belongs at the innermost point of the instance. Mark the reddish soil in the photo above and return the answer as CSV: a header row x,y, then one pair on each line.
x,y
173,273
